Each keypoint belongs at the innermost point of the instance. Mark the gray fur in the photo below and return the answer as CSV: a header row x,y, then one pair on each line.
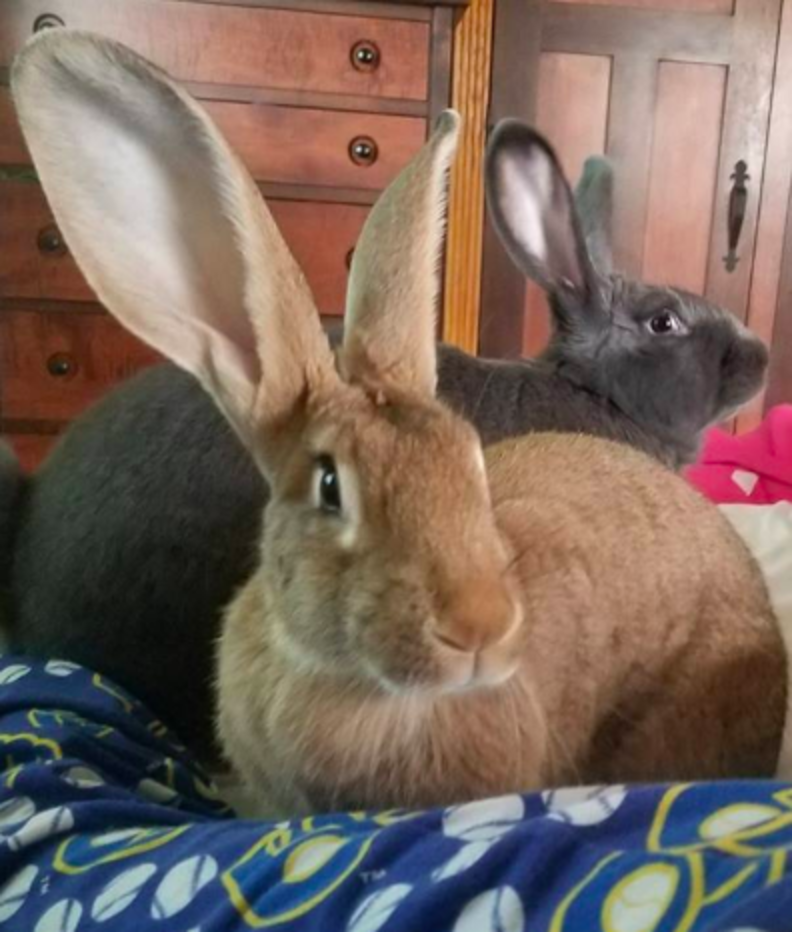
x,y
145,518
12,488
594,202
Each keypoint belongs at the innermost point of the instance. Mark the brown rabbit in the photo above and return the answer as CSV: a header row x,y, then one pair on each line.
x,y
646,648
421,629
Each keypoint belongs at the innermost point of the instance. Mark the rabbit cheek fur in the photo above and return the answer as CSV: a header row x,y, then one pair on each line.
x,y
329,652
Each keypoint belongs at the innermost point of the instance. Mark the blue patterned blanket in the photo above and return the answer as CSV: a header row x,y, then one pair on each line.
x,y
106,823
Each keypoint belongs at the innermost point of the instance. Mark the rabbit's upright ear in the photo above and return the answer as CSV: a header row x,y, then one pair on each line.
x,y
594,203
167,226
394,282
533,211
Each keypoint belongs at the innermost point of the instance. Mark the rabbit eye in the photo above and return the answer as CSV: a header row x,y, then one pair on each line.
x,y
328,485
664,322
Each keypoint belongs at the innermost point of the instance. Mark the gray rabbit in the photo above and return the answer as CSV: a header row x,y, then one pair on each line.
x,y
145,519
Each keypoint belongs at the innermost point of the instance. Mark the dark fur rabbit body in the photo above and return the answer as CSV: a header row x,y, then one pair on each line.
x,y
12,490
145,519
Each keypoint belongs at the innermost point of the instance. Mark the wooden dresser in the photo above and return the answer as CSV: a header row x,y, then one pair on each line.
x,y
325,102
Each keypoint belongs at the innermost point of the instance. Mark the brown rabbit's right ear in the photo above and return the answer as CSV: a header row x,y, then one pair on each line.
x,y
168,227
390,329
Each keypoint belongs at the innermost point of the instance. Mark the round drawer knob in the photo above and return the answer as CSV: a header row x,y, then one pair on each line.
x,y
365,55
348,258
50,242
363,151
47,21
61,365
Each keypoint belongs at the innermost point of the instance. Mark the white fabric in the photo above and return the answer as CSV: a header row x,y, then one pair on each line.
x,y
767,531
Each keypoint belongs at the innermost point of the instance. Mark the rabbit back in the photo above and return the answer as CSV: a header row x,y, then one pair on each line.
x,y
678,665
509,399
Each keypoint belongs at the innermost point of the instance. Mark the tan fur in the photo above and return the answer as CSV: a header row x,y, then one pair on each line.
x,y
648,652
405,232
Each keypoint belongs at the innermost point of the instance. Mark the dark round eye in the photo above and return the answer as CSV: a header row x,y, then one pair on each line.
x,y
329,486
664,322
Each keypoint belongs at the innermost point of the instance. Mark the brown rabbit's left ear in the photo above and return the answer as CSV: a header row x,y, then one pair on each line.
x,y
390,335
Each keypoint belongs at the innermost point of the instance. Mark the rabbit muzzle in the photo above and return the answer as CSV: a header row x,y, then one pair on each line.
x,y
421,640
744,369
476,635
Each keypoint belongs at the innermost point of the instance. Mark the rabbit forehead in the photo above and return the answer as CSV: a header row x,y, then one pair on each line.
x,y
637,300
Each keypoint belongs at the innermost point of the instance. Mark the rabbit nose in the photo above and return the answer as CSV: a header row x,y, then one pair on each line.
x,y
748,356
476,617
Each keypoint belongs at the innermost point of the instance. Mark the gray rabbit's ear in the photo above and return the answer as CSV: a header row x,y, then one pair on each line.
x,y
533,210
594,203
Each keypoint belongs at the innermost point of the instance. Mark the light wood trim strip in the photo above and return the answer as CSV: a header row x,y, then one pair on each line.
x,y
470,95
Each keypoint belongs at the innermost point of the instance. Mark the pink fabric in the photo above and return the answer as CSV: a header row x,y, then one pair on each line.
x,y
750,469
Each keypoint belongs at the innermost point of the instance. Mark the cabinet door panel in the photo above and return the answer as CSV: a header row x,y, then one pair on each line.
x,y
572,107
683,179
572,110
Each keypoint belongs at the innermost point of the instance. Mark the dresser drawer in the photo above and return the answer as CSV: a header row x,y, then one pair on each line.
x,y
34,260
35,263
322,237
245,46
54,364
288,145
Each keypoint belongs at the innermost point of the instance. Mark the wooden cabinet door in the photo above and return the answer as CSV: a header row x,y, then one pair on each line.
x,y
677,93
